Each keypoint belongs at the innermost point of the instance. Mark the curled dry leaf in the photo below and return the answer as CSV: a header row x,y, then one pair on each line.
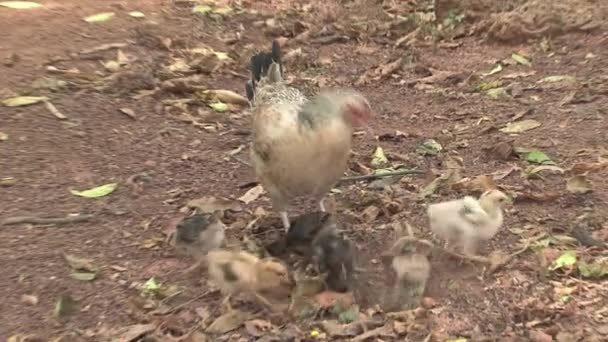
x,y
370,213
535,171
380,72
480,183
228,322
327,299
548,196
580,168
579,185
258,327
252,194
133,332
80,264
520,126
226,96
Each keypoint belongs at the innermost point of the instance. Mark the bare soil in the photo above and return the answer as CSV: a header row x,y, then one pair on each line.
x,y
161,162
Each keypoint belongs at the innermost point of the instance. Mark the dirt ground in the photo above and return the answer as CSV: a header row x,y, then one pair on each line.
x,y
163,154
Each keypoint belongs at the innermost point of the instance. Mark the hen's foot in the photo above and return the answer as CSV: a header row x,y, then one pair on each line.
x,y
322,206
285,220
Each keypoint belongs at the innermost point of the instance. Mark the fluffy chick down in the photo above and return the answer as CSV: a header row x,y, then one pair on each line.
x,y
198,234
468,221
239,271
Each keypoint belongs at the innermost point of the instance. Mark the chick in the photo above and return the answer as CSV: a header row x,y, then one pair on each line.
x,y
333,256
305,228
408,259
468,221
238,271
302,231
197,235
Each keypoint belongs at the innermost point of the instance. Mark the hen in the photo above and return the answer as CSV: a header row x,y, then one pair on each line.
x,y
300,145
467,220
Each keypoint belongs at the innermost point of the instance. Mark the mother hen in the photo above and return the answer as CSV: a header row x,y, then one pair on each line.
x,y
300,145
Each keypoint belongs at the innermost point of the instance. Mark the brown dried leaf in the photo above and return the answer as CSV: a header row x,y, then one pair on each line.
x,y
579,185
580,168
548,196
480,184
370,213
258,327
252,194
327,299
80,264
133,332
228,322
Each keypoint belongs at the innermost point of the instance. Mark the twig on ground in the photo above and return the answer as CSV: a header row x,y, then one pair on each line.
x,y
382,175
344,179
45,220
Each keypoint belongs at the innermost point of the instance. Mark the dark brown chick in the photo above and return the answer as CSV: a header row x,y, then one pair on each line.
x,y
333,256
302,231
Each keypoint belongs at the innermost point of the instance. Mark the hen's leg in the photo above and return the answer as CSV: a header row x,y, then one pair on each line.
x,y
285,220
322,205
225,305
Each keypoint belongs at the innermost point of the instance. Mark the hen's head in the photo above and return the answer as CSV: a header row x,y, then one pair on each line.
x,y
346,104
355,109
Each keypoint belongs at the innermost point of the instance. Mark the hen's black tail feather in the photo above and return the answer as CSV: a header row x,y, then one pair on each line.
x,y
260,65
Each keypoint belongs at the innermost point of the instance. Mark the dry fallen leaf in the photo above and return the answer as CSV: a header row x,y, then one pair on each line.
x,y
228,322
480,184
370,213
580,168
258,327
536,196
252,194
327,299
133,332
520,126
225,96
579,185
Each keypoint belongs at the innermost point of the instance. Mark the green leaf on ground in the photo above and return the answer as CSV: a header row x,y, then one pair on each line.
x,y
19,101
20,4
566,259
96,192
100,17
520,59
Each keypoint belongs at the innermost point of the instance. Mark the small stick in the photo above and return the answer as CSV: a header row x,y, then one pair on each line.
x,y
45,220
382,175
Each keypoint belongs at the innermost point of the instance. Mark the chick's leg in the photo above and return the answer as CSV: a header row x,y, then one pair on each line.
x,y
322,205
285,220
